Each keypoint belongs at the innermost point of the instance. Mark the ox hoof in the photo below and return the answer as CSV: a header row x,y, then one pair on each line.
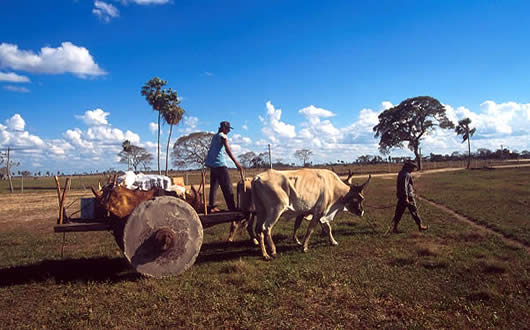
x,y
255,241
274,255
334,243
267,258
305,249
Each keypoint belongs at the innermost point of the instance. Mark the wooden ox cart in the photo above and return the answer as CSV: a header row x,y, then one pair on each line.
x,y
161,237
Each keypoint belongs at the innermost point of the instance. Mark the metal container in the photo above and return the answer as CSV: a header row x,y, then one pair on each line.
x,y
88,208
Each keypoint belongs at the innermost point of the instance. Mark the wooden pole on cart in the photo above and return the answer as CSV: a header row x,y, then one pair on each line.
x,y
61,198
203,173
61,206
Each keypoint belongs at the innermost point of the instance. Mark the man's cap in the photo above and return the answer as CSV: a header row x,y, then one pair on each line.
x,y
410,163
225,124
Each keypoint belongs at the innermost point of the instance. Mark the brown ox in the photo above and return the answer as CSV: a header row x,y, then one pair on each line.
x,y
316,192
121,201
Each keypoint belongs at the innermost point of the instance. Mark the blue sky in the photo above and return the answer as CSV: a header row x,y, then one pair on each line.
x,y
293,74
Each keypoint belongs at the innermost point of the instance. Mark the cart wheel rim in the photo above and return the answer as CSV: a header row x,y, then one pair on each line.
x,y
162,237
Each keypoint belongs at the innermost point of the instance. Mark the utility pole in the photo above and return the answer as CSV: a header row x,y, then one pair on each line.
x,y
270,158
9,171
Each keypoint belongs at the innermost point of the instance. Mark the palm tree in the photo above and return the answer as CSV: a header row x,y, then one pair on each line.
x,y
154,95
463,129
172,115
126,147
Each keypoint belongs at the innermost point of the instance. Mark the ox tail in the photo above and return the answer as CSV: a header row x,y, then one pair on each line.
x,y
244,196
255,190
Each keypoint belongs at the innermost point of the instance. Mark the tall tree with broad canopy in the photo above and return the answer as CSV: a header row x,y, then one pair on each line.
x,y
409,122
161,100
190,151
303,155
247,159
467,132
134,155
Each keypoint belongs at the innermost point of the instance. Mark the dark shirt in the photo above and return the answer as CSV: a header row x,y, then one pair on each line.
x,y
404,186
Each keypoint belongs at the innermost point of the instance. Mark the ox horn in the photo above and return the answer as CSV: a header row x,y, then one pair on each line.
x,y
350,177
367,182
98,195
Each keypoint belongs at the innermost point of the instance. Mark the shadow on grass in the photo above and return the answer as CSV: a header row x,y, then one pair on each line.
x,y
102,269
225,251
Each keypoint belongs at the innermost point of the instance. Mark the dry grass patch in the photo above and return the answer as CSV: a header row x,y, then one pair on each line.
x,y
426,249
493,266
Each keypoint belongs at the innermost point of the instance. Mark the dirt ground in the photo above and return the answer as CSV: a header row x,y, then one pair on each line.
x,y
32,207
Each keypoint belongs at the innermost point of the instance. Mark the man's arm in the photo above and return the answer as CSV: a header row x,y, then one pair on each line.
x,y
402,187
229,152
408,178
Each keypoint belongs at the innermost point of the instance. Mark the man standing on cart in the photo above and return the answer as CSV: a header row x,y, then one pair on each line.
x,y
216,161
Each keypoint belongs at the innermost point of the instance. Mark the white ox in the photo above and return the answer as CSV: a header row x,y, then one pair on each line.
x,y
316,192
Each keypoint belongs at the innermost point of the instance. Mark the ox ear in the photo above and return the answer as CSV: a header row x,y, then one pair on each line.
x,y
366,183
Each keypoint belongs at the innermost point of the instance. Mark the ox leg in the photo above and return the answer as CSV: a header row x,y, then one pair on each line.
x,y
261,235
270,221
297,224
250,228
270,242
326,228
261,238
234,228
310,229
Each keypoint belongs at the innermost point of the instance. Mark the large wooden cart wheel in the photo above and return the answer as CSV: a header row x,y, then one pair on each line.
x,y
162,237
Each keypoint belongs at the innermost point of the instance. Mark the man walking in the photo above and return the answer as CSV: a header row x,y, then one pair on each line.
x,y
216,161
405,195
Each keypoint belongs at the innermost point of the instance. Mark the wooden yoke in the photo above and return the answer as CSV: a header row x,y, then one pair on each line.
x,y
61,197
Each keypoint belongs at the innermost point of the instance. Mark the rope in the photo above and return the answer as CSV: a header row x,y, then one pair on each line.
x,y
387,232
370,222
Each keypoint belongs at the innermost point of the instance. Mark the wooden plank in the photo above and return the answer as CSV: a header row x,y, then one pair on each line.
x,y
221,217
81,227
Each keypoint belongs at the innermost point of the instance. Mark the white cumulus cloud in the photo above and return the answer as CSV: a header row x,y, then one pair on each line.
x,y
13,77
273,126
94,117
105,11
188,125
67,58
16,123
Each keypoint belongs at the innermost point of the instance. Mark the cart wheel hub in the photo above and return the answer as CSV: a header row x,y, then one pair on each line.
x,y
164,239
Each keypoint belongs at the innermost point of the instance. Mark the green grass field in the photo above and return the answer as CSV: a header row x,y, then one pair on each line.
x,y
471,193
452,276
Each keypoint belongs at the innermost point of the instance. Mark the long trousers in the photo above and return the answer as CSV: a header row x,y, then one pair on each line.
x,y
220,176
400,208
